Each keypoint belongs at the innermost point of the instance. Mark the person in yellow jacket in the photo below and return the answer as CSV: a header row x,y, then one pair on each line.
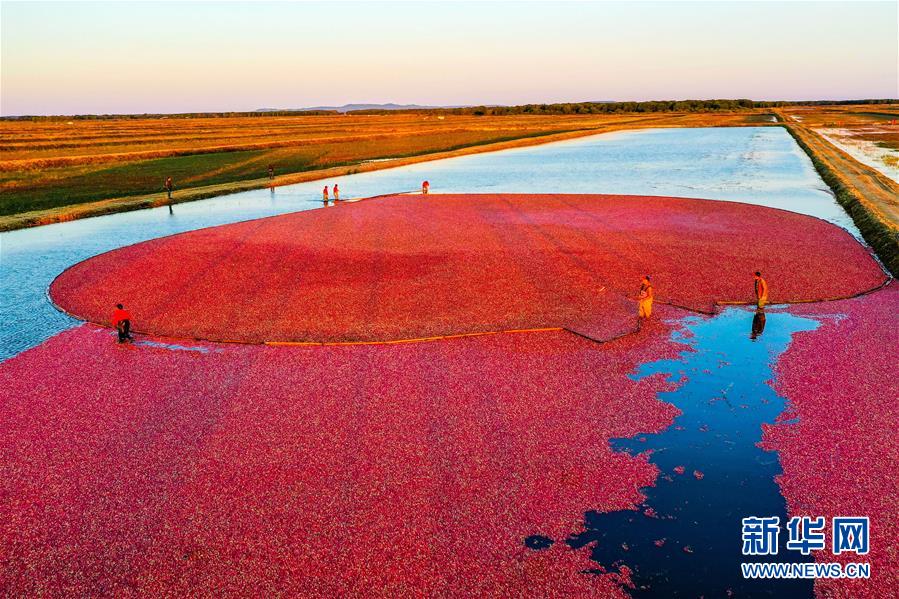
x,y
644,299
761,290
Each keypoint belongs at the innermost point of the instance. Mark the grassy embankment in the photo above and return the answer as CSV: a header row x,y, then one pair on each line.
x,y
60,170
870,198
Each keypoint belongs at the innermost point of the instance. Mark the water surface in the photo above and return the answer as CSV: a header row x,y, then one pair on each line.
x,y
685,540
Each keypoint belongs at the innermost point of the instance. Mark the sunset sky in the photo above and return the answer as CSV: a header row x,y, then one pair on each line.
x,y
75,58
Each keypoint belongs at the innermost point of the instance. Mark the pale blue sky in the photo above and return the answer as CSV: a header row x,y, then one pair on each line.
x,y
76,57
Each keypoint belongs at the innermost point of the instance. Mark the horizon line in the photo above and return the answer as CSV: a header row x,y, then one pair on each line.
x,y
423,107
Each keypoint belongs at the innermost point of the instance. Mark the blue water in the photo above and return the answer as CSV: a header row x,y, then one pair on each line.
x,y
724,399
759,165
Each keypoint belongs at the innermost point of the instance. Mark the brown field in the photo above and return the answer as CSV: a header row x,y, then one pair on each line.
x,y
853,126
58,170
867,193
53,143
872,123
89,142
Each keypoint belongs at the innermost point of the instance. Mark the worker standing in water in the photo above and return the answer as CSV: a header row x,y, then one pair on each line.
x,y
336,192
271,172
644,298
761,290
121,320
169,186
425,186
325,194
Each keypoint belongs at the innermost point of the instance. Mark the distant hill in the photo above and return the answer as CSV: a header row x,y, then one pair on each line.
x,y
352,107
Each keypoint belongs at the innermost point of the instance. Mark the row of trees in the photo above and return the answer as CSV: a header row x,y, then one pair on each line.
x,y
560,108
651,106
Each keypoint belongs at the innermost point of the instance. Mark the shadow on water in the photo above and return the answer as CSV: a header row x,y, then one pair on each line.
x,y
685,540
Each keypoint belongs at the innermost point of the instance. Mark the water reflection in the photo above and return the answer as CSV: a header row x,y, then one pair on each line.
x,y
684,541
758,324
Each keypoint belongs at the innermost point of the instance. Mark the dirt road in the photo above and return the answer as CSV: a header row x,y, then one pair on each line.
x,y
869,196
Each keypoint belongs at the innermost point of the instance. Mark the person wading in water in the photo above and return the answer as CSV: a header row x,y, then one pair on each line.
x,y
121,320
169,186
761,290
644,298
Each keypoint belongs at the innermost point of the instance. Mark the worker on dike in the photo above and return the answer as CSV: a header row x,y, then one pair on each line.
x,y
644,298
121,320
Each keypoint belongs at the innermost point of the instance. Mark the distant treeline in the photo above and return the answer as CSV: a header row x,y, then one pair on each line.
x,y
651,106
558,108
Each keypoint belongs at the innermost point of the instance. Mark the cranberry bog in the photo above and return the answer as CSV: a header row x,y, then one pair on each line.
x,y
403,267
580,454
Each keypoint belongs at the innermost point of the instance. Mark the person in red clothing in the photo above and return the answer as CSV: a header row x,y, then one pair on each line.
x,y
121,320
325,194
425,186
336,193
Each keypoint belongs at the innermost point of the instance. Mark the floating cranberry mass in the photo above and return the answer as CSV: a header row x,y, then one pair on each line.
x,y
405,267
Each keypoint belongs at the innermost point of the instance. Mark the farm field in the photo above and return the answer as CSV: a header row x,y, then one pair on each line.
x,y
50,167
870,134
179,459
461,466
858,162
439,300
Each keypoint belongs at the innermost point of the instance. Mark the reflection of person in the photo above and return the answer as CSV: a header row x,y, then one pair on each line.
x,y
425,186
758,324
644,299
325,194
761,290
121,320
336,192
